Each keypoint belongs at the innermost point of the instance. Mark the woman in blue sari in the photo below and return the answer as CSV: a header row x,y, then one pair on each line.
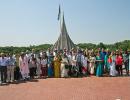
x,y
99,69
107,67
50,65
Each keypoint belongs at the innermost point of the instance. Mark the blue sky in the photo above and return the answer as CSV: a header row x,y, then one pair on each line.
x,y
34,22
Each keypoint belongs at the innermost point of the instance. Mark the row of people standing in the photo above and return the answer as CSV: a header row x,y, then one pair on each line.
x,y
7,66
63,63
112,62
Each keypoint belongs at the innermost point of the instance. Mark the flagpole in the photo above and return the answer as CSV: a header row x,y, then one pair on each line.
x,y
60,14
61,29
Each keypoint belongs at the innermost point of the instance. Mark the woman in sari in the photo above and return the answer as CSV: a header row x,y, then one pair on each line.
x,y
57,64
44,66
64,66
106,63
99,69
111,61
23,66
92,60
50,65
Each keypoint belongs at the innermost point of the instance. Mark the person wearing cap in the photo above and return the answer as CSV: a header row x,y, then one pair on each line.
x,y
3,68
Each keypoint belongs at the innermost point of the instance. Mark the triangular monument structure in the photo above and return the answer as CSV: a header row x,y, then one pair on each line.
x,y
64,40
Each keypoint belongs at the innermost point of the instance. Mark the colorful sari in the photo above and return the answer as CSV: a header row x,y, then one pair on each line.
x,y
99,71
57,65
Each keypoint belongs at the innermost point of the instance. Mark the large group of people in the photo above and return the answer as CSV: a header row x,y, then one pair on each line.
x,y
63,64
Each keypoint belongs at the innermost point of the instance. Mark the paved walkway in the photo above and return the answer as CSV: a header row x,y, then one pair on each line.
x,y
90,88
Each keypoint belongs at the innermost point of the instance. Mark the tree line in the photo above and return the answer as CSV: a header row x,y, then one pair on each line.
x,y
124,45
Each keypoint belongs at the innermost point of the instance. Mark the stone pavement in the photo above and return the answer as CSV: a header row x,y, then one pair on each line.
x,y
87,88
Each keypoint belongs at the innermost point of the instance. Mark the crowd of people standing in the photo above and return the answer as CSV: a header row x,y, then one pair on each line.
x,y
63,63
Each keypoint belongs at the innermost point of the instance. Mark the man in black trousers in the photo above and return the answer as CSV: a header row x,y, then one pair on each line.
x,y
3,68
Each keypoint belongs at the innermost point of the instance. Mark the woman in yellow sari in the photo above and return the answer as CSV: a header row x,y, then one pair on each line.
x,y
57,64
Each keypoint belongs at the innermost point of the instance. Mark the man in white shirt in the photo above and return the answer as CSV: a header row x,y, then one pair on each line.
x,y
3,68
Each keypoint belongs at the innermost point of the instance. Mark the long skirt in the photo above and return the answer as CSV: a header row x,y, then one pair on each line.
x,y
84,70
57,69
113,71
50,70
64,70
91,68
24,71
99,70
44,71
